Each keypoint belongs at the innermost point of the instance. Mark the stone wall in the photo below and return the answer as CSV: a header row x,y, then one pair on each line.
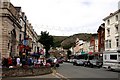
x,y
19,72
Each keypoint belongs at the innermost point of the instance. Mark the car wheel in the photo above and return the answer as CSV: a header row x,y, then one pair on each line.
x,y
73,63
99,66
84,65
109,68
91,66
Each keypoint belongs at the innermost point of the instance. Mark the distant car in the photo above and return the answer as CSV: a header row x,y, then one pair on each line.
x,y
78,62
93,63
51,62
60,61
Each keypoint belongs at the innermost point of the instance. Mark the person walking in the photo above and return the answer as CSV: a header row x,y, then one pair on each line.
x,y
18,61
55,62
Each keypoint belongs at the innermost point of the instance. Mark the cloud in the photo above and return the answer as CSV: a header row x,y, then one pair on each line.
x,y
66,16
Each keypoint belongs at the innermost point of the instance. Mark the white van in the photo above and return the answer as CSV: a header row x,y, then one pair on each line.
x,y
111,60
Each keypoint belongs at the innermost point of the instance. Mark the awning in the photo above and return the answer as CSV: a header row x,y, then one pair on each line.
x,y
83,52
90,53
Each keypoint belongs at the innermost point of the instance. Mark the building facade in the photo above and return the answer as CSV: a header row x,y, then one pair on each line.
x,y
79,47
10,30
17,34
101,38
93,43
112,31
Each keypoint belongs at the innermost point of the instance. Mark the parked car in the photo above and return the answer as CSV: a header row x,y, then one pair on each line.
x,y
93,63
60,61
51,62
78,62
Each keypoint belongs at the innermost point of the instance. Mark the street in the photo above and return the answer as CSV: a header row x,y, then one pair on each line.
x,y
67,71
70,71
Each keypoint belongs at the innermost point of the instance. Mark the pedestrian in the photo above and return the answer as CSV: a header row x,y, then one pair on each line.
x,y
29,61
35,61
14,61
4,62
55,62
18,61
9,61
23,61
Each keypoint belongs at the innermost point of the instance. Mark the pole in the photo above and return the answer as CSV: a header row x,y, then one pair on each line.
x,y
25,32
25,29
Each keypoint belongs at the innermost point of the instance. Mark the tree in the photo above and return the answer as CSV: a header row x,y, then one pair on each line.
x,y
47,41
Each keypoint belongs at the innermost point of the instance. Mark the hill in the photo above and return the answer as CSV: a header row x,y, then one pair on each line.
x,y
58,40
70,41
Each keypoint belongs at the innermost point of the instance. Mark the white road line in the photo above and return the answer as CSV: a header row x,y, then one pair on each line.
x,y
58,75
55,75
61,76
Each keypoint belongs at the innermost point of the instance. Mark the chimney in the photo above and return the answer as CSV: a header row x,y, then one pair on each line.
x,y
118,5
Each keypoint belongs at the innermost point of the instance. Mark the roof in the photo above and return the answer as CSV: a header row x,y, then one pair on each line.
x,y
112,14
102,26
18,9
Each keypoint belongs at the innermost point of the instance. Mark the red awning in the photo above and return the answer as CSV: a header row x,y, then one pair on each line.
x,y
90,53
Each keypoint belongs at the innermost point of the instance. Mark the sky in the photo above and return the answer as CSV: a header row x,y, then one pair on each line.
x,y
66,17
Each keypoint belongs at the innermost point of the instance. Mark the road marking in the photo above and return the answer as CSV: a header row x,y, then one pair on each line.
x,y
61,77
58,75
55,75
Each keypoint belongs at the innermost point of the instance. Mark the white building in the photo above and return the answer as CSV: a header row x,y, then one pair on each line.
x,y
81,47
112,31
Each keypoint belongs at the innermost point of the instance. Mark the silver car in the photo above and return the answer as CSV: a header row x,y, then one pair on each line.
x,y
78,62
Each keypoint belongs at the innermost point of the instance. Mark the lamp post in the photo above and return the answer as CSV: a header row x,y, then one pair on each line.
x,y
25,28
25,33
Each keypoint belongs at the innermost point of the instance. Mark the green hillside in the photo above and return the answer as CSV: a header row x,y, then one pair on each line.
x,y
70,41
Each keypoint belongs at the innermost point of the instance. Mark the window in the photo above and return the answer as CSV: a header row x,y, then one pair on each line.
x,y
116,28
113,57
108,22
108,43
8,45
116,17
108,31
105,57
119,57
117,42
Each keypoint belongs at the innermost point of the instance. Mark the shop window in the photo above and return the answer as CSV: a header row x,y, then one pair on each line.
x,y
113,57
